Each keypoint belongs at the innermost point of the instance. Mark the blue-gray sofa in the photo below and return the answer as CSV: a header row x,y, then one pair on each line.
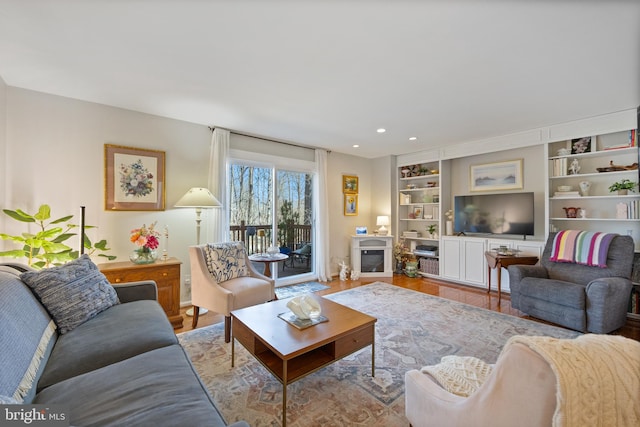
x,y
120,367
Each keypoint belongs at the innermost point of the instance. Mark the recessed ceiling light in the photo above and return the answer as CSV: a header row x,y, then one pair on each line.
x,y
381,130
413,138
356,146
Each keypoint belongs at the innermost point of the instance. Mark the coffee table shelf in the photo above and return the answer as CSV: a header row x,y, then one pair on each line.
x,y
299,366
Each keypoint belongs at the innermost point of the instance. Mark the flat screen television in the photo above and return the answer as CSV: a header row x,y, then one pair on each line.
x,y
507,213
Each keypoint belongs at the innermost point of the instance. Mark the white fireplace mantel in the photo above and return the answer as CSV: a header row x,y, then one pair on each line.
x,y
372,242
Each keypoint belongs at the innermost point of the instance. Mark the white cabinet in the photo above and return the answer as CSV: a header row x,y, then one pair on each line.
x,y
463,260
579,196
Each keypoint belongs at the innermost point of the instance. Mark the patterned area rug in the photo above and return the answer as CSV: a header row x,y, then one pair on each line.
x,y
301,288
413,330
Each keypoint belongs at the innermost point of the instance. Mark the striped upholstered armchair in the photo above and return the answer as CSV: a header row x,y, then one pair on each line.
x,y
576,292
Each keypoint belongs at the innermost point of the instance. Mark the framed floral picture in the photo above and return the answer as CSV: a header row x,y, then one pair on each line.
x,y
351,204
134,179
349,184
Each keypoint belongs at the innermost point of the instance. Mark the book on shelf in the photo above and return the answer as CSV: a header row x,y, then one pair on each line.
x,y
560,167
293,320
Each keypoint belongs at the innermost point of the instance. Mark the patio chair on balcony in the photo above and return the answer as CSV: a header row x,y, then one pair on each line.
x,y
302,255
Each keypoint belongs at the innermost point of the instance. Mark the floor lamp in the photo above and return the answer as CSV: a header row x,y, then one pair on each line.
x,y
198,198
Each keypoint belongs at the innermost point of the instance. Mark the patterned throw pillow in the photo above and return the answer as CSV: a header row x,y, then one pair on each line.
x,y
226,261
72,293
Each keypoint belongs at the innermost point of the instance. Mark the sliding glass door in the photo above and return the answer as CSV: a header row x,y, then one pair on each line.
x,y
273,207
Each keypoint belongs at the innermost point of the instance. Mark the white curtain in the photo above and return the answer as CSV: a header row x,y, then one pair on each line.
x,y
218,185
323,257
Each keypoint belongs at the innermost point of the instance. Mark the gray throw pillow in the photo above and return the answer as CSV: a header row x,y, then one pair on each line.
x,y
72,293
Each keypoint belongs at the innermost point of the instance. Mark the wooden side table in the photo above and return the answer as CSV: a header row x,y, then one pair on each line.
x,y
166,274
267,260
495,260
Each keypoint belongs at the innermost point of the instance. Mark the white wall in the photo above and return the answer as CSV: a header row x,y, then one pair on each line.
x,y
374,198
55,152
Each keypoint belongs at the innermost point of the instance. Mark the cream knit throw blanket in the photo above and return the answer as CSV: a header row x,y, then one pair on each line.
x,y
598,378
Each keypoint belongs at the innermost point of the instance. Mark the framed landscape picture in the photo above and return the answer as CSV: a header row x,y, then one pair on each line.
x,y
496,176
349,184
134,179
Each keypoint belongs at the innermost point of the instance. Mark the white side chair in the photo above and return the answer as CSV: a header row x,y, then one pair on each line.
x,y
524,388
223,279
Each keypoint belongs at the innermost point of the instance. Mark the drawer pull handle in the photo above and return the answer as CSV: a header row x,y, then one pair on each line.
x,y
164,274
118,280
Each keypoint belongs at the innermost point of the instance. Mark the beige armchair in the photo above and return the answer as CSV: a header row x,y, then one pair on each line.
x,y
223,279
537,381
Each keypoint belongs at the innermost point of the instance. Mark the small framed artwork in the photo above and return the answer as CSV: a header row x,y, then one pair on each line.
x,y
134,179
351,204
581,145
417,212
349,184
496,176
361,230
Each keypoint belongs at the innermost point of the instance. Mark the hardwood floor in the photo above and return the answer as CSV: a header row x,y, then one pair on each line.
x,y
466,294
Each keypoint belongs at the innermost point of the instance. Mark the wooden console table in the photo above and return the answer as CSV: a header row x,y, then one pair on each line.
x,y
166,274
497,261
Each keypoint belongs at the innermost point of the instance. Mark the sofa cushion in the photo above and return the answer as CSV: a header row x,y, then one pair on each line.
x,y
560,293
158,388
121,332
72,293
28,335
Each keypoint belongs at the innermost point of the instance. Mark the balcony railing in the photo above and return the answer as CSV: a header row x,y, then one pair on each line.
x,y
291,236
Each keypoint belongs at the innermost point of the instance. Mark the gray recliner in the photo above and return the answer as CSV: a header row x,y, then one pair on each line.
x,y
579,297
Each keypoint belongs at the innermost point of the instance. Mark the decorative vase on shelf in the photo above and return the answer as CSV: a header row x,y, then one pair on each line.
x,y
143,256
449,228
584,187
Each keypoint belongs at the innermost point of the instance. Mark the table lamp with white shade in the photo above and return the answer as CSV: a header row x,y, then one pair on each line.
x,y
382,222
198,198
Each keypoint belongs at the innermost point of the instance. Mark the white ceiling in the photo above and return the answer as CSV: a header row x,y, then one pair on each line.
x,y
329,73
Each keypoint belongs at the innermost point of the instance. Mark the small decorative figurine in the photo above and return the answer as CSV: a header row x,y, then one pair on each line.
x,y
574,167
344,269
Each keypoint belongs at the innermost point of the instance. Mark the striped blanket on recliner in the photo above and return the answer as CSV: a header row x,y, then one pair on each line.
x,y
581,247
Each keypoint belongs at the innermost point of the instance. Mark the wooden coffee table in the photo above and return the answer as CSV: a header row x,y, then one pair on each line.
x,y
289,353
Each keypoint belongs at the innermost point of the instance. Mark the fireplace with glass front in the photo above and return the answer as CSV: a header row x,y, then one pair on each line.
x,y
371,255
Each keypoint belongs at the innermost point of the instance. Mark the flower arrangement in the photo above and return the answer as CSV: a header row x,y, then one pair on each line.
x,y
145,237
400,250
449,214
136,180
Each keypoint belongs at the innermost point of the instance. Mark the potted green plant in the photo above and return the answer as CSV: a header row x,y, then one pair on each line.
x,y
622,187
431,229
46,247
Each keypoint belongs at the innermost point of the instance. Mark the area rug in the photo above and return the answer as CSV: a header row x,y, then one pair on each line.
x,y
413,330
301,288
